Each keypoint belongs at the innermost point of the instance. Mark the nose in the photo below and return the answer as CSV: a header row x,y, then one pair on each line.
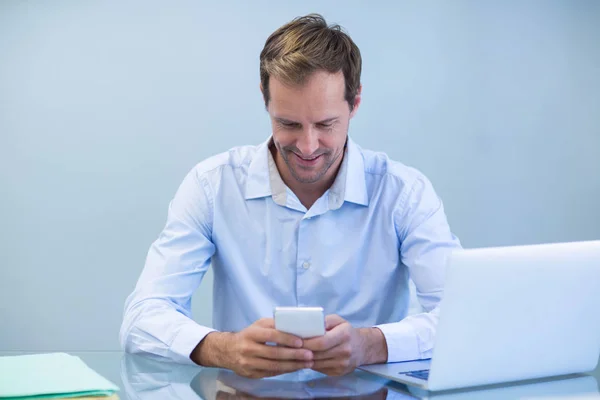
x,y
308,142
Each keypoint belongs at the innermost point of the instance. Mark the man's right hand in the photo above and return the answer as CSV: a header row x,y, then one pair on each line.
x,y
247,354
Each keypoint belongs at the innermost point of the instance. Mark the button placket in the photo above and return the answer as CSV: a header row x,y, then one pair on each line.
x,y
303,260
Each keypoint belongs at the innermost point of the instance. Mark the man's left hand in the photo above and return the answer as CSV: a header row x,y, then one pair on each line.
x,y
343,348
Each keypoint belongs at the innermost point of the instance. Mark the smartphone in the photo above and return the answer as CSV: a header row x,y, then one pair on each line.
x,y
304,322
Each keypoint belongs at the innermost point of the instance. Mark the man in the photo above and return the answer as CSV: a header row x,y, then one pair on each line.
x,y
308,218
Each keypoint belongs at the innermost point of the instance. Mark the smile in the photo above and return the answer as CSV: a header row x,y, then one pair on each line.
x,y
308,161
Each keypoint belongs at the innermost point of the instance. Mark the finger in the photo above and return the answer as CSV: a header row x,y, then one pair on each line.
x,y
333,320
279,367
328,372
281,353
334,337
269,335
242,396
342,350
332,371
332,363
221,395
333,367
265,323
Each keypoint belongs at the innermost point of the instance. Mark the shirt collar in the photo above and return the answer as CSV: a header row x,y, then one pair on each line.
x,y
350,184
264,180
257,181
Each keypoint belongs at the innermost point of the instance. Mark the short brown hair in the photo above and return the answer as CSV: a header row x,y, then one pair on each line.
x,y
305,45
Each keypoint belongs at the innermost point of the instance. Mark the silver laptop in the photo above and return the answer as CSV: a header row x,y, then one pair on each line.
x,y
509,314
580,387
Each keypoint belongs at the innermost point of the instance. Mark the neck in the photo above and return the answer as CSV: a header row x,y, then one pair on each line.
x,y
307,193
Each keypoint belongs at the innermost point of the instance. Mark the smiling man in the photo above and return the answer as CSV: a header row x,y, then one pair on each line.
x,y
310,127
307,218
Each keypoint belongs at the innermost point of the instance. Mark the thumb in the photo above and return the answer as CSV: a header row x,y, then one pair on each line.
x,y
333,320
266,323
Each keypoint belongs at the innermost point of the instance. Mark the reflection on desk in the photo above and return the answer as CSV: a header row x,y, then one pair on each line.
x,y
148,378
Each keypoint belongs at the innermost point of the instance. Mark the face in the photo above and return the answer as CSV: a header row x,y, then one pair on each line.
x,y
310,126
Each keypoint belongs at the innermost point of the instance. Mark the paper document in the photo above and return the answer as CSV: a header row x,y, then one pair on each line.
x,y
53,375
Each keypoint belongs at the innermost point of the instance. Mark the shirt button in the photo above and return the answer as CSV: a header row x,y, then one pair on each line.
x,y
306,265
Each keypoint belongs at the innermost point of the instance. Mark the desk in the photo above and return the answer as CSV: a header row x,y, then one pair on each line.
x,y
146,378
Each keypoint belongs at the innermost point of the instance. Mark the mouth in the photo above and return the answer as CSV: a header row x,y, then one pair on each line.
x,y
308,162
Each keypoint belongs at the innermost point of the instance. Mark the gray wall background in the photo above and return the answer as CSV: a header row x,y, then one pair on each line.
x,y
105,105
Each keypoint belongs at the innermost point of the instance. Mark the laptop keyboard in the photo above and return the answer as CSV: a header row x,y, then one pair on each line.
x,y
422,374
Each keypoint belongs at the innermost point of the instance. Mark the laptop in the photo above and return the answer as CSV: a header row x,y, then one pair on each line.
x,y
510,314
580,387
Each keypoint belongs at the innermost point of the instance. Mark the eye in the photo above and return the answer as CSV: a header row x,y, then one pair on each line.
x,y
290,125
325,126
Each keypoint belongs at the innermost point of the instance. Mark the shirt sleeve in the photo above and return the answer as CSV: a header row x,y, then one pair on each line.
x,y
425,244
157,315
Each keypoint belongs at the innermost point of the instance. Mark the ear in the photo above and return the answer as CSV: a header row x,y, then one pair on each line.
x,y
357,100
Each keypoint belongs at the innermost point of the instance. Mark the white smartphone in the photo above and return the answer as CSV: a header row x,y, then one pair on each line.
x,y
304,322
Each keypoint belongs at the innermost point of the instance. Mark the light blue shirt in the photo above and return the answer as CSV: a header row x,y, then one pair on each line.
x,y
351,253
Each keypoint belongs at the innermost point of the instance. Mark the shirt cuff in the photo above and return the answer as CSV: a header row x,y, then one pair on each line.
x,y
186,341
402,341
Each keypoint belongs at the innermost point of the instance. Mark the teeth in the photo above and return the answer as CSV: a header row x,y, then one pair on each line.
x,y
309,159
